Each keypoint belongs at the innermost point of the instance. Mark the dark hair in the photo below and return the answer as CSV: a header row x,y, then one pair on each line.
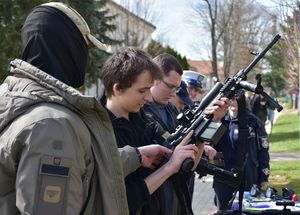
x,y
168,63
124,66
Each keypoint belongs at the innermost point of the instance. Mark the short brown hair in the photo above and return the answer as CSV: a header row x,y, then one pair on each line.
x,y
124,66
168,63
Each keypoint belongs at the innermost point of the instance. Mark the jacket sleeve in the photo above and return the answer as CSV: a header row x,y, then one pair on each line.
x,y
129,159
263,153
137,192
52,162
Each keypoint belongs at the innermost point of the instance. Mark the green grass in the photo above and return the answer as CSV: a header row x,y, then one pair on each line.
x,y
285,138
285,133
285,174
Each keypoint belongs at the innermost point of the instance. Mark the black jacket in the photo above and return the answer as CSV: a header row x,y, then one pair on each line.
x,y
165,115
139,131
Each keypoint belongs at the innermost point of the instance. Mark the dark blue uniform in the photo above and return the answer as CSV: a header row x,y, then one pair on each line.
x,y
257,165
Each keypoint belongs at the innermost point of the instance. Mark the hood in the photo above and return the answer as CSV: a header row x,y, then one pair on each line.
x,y
53,43
29,86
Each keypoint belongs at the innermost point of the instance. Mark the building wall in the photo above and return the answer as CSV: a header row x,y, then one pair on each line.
x,y
130,29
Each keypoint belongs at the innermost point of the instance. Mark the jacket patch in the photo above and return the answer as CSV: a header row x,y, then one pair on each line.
x,y
52,194
265,171
264,142
53,188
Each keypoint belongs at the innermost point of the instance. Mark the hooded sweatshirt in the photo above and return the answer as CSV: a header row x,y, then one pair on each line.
x,y
40,117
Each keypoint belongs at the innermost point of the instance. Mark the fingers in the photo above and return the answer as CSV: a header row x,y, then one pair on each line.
x,y
164,150
187,138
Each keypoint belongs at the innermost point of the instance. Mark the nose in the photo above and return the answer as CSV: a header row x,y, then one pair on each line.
x,y
147,97
173,93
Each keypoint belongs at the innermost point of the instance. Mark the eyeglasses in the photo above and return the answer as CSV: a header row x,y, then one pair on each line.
x,y
171,87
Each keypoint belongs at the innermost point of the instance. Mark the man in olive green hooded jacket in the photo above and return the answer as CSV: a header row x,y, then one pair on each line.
x,y
57,147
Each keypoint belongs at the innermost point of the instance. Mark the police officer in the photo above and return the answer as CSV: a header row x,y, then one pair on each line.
x,y
182,99
194,83
257,165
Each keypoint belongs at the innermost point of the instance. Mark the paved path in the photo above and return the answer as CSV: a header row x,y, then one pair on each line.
x,y
286,156
203,197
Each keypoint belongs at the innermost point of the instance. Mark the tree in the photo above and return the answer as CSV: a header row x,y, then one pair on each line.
x,y
98,19
155,48
12,16
291,39
245,32
209,11
275,79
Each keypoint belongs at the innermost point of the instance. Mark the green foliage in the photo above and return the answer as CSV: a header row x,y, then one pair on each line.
x,y
285,133
155,48
96,15
275,79
285,138
12,16
285,174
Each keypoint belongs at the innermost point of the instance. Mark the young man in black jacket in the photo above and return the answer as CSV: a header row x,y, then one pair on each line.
x,y
160,109
128,76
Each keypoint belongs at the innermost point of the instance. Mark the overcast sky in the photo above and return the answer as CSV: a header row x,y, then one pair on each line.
x,y
174,27
178,32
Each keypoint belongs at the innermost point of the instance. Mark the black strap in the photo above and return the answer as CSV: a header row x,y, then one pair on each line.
x,y
242,148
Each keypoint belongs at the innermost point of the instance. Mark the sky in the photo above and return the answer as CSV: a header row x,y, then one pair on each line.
x,y
175,28
175,24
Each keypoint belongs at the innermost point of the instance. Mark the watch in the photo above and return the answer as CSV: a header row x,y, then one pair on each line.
x,y
139,154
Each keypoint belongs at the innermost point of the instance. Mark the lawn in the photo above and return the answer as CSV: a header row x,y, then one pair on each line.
x,y
285,138
285,174
285,133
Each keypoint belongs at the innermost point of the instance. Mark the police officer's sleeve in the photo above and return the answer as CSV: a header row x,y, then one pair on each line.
x,y
263,153
52,165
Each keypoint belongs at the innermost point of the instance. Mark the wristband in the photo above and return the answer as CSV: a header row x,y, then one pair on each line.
x,y
139,154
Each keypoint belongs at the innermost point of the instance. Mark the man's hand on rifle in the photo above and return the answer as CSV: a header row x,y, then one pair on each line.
x,y
218,109
151,155
182,152
210,152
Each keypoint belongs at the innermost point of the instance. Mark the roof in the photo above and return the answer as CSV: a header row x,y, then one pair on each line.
x,y
121,8
202,66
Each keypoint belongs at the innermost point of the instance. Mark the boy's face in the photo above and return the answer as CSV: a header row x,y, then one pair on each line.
x,y
233,104
193,92
132,99
165,89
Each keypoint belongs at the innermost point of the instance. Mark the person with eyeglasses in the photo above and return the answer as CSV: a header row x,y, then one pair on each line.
x,y
165,113
127,77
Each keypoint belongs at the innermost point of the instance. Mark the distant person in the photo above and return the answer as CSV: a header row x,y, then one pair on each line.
x,y
248,97
160,109
257,164
57,148
182,99
194,83
260,107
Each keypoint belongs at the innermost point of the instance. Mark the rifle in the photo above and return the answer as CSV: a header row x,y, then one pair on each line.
x,y
202,125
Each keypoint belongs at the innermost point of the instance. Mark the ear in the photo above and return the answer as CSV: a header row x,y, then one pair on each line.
x,y
116,89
